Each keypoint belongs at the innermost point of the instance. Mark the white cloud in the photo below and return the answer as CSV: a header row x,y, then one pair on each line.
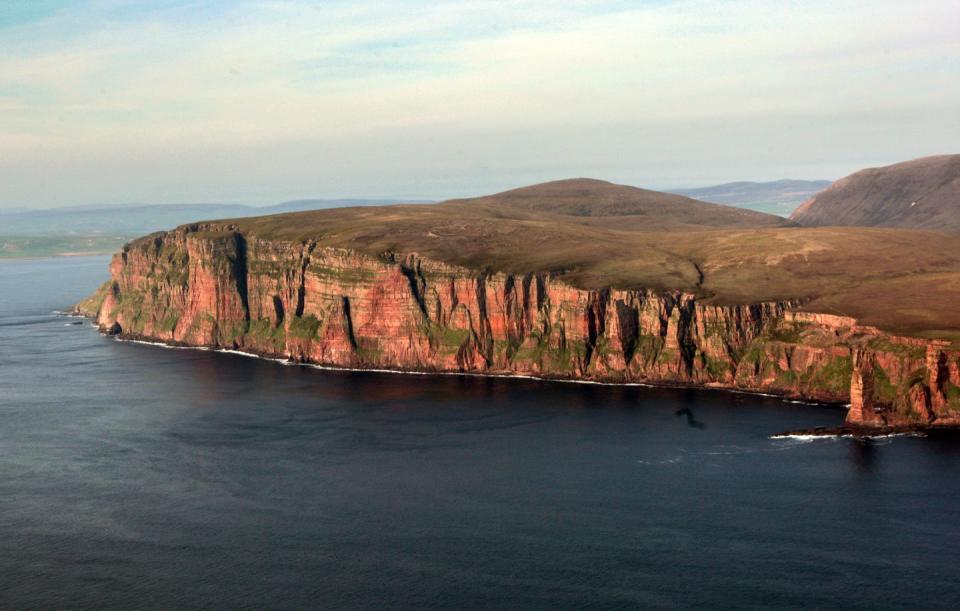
x,y
470,92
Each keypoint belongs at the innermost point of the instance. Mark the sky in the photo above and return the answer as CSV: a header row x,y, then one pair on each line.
x,y
106,102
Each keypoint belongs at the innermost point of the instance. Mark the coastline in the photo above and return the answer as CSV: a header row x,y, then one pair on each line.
x,y
282,360
844,431
865,432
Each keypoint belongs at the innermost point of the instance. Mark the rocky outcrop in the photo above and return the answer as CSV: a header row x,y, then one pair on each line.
x,y
213,285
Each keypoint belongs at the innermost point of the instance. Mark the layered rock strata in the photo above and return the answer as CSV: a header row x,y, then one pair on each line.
x,y
212,285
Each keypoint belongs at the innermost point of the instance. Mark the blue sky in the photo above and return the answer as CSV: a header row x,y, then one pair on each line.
x,y
111,102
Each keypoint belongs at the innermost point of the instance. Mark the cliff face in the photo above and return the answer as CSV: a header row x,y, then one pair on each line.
x,y
207,285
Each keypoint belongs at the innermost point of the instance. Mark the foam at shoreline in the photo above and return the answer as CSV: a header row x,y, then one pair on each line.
x,y
473,374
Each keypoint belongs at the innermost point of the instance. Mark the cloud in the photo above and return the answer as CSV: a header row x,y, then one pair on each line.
x,y
465,89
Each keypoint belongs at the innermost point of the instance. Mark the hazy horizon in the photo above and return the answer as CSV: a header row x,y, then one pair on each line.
x,y
263,102
370,198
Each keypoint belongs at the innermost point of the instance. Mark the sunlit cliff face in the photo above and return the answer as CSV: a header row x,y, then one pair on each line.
x,y
218,287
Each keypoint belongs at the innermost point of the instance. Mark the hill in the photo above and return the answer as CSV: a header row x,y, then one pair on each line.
x,y
586,197
919,194
778,197
595,234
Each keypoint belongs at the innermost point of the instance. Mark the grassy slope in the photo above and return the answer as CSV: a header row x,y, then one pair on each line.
x,y
597,234
919,194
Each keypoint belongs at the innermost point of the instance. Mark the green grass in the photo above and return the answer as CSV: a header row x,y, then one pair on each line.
x,y
716,368
169,322
952,394
92,304
261,331
835,374
305,327
787,379
345,276
787,333
881,344
883,389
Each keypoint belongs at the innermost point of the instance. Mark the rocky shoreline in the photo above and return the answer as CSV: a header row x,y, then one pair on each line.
x,y
874,432
284,359
847,431
214,286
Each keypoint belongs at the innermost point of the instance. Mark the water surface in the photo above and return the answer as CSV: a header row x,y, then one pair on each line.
x,y
137,476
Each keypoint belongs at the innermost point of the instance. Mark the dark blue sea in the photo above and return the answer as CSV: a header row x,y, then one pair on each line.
x,y
134,476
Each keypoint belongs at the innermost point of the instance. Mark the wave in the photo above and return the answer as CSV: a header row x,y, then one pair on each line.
x,y
467,374
886,435
804,438
67,314
807,437
665,461
159,344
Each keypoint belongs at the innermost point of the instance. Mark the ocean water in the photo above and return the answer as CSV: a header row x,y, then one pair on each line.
x,y
133,476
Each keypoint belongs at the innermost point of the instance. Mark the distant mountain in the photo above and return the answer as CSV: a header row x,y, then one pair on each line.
x,y
919,194
778,197
136,219
587,197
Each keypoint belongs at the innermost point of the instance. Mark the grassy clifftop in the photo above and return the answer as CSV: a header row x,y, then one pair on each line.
x,y
596,234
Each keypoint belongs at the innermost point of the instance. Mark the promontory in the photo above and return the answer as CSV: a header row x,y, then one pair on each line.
x,y
574,279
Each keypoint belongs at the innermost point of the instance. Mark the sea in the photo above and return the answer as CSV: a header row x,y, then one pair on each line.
x,y
136,476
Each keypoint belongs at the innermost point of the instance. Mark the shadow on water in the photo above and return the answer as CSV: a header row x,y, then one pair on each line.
x,y
863,455
692,422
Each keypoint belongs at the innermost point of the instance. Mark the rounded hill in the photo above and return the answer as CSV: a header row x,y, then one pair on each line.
x,y
919,194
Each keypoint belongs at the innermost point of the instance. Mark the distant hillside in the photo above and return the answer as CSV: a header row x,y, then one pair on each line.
x,y
778,197
598,199
136,219
95,230
919,194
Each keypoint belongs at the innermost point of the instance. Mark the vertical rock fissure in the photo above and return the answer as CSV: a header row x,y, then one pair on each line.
x,y
527,282
596,315
514,313
278,311
484,331
685,341
348,322
417,282
302,284
628,320
240,273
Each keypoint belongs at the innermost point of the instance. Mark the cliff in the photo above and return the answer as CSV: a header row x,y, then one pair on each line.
x,y
219,285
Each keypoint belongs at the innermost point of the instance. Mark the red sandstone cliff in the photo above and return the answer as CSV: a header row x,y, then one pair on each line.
x,y
214,286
